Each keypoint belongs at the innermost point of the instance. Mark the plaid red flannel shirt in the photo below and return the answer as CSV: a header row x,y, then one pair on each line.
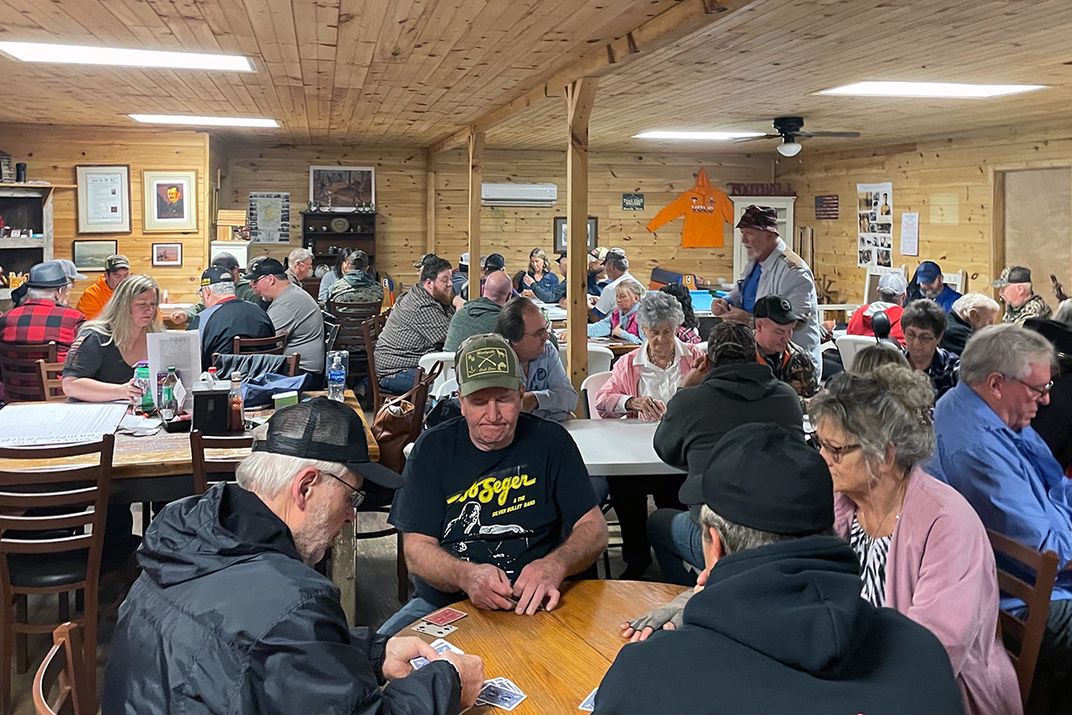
x,y
39,321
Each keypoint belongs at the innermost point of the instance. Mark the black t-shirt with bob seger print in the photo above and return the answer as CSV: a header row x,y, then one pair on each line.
x,y
507,507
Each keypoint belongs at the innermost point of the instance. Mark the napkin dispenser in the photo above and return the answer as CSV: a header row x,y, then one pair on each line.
x,y
211,406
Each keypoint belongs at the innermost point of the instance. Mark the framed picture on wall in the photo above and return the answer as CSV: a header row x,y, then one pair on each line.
x,y
169,201
560,233
90,255
342,188
167,254
103,199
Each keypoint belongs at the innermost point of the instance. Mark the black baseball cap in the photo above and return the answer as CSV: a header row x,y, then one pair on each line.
x,y
494,262
326,430
267,267
216,274
777,309
765,476
225,260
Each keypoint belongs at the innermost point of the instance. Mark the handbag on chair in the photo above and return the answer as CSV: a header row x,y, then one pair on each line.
x,y
398,422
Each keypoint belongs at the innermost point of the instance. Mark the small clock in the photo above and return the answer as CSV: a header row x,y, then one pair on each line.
x,y
340,224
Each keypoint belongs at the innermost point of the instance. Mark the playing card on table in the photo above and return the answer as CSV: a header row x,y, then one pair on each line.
x,y
444,616
589,703
432,629
500,695
441,646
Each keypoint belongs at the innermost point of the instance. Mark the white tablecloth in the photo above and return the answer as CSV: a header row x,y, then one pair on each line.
x,y
618,447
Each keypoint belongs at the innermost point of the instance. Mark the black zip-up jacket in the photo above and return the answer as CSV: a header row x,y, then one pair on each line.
x,y
225,618
782,629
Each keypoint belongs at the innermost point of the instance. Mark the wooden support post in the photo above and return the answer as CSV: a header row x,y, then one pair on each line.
x,y
476,161
579,95
430,201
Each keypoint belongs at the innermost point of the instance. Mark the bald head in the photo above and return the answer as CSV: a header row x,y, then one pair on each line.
x,y
498,288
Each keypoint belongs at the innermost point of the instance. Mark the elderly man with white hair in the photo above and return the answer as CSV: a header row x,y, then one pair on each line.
x,y
990,453
970,312
228,614
45,315
299,265
225,316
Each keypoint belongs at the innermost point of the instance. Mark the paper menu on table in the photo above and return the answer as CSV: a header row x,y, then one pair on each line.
x,y
29,425
180,350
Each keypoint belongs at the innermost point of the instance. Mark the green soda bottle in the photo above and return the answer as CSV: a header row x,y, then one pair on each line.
x,y
141,379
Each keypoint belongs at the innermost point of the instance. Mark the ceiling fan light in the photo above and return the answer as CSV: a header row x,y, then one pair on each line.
x,y
789,147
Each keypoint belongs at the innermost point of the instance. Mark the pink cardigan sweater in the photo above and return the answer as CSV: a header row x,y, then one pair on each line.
x,y
941,574
625,378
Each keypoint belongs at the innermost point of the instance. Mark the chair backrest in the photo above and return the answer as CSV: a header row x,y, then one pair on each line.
x,y
18,365
370,332
252,366
349,317
444,358
50,375
394,431
590,388
446,388
331,334
273,345
849,345
1023,636
59,686
599,359
216,469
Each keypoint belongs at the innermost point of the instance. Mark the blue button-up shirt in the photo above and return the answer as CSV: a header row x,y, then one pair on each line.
x,y
1011,478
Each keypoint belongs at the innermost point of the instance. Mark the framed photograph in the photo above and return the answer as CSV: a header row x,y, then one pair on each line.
x,y
342,188
167,254
103,198
560,233
90,255
170,201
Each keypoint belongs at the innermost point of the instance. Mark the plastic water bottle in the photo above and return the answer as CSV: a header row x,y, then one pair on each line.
x,y
168,404
336,378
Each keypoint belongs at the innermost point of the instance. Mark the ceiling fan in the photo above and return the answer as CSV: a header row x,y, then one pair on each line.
x,y
789,129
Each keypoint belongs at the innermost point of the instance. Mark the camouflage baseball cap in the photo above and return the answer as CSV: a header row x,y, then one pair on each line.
x,y
486,361
1012,275
761,217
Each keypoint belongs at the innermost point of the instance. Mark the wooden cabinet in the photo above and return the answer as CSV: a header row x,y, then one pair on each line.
x,y
325,233
23,207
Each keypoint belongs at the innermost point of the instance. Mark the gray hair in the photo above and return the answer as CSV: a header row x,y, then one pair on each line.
x,y
222,288
1007,349
632,286
657,308
1063,314
617,260
968,302
888,408
266,473
52,294
735,537
299,254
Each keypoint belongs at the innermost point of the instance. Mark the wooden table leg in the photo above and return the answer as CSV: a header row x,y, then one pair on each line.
x,y
343,571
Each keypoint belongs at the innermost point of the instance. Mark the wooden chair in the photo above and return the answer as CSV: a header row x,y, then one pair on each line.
x,y
273,345
370,330
59,686
51,379
349,317
206,468
290,365
1023,636
18,364
51,553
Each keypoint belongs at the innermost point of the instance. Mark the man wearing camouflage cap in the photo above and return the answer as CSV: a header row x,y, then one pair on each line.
x,y
1021,300
773,269
496,505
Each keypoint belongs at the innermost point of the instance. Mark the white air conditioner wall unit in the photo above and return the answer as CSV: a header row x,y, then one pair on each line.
x,y
532,195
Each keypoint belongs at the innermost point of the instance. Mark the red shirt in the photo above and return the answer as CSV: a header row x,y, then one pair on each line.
x,y
860,323
39,321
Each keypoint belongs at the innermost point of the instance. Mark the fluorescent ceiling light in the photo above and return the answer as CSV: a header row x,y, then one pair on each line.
x,y
701,136
943,90
204,121
116,56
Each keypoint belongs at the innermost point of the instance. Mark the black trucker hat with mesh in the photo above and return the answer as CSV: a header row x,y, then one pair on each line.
x,y
327,430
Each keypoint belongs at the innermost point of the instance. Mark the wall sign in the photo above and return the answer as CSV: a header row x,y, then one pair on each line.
x,y
827,206
632,202
761,189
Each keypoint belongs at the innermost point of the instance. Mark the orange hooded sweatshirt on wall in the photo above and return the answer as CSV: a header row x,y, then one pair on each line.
x,y
705,208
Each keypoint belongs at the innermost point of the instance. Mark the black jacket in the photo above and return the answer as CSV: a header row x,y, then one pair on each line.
x,y
957,332
729,396
1053,422
230,319
225,618
782,629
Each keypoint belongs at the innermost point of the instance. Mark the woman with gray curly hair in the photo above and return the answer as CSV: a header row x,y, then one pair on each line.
x,y
644,380
921,546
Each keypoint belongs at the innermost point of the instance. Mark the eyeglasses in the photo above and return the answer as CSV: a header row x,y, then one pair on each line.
x,y
920,337
1039,392
357,497
543,333
836,453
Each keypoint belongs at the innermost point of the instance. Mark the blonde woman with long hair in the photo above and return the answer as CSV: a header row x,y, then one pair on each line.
x,y
538,281
100,364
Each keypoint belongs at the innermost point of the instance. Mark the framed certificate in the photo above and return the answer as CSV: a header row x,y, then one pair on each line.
x,y
103,199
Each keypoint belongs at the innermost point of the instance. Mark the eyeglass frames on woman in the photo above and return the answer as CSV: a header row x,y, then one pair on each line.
x,y
357,497
836,453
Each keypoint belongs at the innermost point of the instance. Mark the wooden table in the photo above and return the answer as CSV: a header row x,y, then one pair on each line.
x,y
618,448
556,657
158,468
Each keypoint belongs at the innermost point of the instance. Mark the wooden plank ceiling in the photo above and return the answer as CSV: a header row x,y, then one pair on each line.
x,y
411,72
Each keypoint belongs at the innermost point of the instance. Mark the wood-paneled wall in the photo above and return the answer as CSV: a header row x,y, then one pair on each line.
x,y
950,183
52,153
